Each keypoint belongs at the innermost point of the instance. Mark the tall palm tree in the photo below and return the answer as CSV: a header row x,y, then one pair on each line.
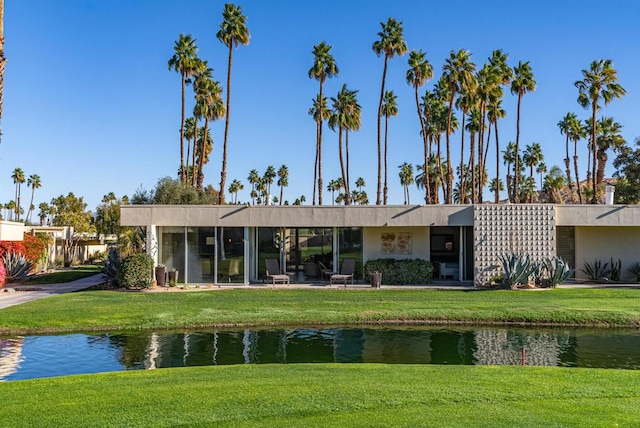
x,y
608,137
34,182
509,157
18,179
190,134
253,179
523,82
503,74
465,103
457,74
209,105
565,125
420,70
577,131
390,44
333,187
234,188
11,207
389,108
324,67
352,123
553,183
319,111
343,118
406,179
183,61
541,168
600,82
283,180
233,32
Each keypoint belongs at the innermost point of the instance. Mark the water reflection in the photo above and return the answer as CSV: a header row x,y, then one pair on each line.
x,y
44,356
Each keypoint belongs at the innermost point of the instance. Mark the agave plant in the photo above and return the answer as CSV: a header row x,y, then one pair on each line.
x,y
616,269
111,266
553,271
597,271
17,266
517,269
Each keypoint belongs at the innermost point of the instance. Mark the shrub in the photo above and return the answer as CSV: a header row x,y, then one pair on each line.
x,y
34,248
401,272
634,270
11,246
135,271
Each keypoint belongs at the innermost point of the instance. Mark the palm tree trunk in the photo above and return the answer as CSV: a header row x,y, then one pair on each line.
x,y
3,60
315,165
575,167
427,187
448,194
593,149
463,173
516,197
201,158
440,170
567,165
497,189
347,187
484,161
384,76
344,176
472,157
223,172
193,154
386,172
602,163
28,217
320,189
182,172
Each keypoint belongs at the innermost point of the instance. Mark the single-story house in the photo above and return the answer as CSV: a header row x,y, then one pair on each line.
x,y
229,243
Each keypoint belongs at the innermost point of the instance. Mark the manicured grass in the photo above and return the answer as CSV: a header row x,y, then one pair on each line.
x,y
64,275
328,395
105,310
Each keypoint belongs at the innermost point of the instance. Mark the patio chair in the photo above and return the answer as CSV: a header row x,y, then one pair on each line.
x,y
325,272
347,271
273,273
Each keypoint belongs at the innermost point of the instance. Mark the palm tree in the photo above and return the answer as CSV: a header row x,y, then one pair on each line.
x,y
324,67
496,186
389,108
541,168
18,179
406,179
465,103
576,132
268,177
183,62
190,134
522,83
44,211
457,74
211,107
234,188
253,179
509,157
503,74
531,157
283,179
600,83
319,111
345,116
35,183
420,70
391,43
553,183
608,137
233,32
565,125
333,186
352,123
11,207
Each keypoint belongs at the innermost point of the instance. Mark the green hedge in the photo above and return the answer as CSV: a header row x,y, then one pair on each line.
x,y
401,272
135,271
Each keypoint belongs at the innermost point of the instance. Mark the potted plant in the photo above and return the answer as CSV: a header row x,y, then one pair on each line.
x,y
376,279
161,272
173,277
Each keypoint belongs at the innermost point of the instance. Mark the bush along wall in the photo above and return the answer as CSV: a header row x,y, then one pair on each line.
x,y
401,272
135,271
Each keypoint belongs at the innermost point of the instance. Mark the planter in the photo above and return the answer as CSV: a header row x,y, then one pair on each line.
x,y
161,273
376,279
173,278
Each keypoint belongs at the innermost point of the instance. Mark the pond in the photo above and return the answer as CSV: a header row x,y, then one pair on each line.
x,y
28,357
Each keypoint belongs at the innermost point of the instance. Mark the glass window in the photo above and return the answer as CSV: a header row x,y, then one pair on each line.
x,y
172,246
231,254
350,246
200,242
268,247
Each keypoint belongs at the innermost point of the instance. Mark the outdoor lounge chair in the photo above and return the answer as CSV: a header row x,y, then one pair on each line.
x,y
273,273
347,270
325,272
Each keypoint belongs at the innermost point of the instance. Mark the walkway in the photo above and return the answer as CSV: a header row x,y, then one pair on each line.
x,y
46,290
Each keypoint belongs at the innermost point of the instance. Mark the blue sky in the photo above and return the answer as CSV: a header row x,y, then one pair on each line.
x,y
91,107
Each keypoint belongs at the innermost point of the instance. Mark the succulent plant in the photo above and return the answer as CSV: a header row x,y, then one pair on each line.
x,y
17,266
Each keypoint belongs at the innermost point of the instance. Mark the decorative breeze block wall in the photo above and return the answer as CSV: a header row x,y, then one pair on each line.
x,y
503,229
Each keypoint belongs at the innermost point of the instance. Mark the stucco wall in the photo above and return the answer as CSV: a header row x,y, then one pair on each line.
x,y
11,231
373,244
603,243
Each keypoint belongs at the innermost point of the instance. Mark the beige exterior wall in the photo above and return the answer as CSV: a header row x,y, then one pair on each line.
x,y
605,243
372,245
11,231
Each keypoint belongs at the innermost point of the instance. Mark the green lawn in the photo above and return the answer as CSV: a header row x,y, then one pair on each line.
x,y
64,275
106,310
330,395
